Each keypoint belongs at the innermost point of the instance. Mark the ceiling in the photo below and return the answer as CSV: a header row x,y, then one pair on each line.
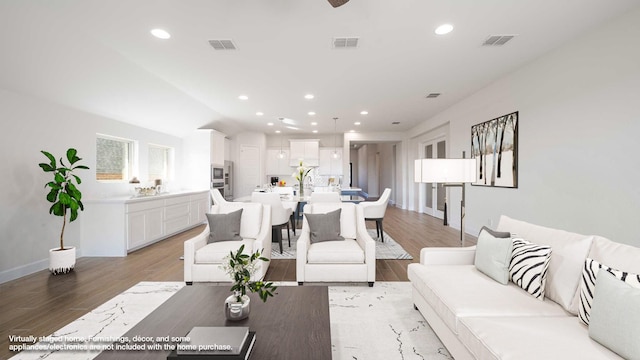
x,y
99,56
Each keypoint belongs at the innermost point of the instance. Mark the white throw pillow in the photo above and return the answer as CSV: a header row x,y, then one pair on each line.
x,y
588,287
493,254
529,265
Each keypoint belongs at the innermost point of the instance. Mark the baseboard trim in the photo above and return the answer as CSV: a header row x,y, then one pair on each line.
x,y
24,270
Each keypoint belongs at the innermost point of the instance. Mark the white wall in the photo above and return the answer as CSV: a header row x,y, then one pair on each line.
x,y
363,173
246,138
28,126
373,170
387,164
579,131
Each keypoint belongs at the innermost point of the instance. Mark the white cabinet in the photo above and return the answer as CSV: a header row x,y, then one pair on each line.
x,y
305,150
328,165
277,166
217,148
113,227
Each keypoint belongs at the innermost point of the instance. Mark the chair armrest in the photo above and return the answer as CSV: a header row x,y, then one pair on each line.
x,y
448,256
263,240
190,247
302,246
367,243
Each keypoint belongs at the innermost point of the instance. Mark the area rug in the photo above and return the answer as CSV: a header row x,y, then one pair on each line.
x,y
387,250
376,322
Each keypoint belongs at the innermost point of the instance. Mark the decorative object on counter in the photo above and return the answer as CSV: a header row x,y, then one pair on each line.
x,y
145,191
240,266
64,195
134,180
282,183
301,174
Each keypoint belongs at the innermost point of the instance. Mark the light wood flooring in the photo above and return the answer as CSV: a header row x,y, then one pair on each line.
x,y
39,304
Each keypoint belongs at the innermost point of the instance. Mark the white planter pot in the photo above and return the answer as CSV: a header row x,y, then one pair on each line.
x,y
62,261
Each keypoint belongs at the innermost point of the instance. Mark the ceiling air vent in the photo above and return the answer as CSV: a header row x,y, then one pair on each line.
x,y
345,42
497,40
222,44
432,95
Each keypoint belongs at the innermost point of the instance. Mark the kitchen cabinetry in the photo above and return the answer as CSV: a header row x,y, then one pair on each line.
x,y
276,166
217,148
328,165
304,150
114,227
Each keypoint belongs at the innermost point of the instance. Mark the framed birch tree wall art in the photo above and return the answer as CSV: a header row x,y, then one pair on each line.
x,y
494,145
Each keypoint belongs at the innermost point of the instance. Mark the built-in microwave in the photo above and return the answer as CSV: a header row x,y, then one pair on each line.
x,y
217,174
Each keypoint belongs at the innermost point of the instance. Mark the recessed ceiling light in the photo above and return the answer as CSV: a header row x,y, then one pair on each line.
x,y
364,112
356,123
277,131
444,29
309,96
315,131
259,113
243,97
160,34
311,113
270,124
352,131
314,123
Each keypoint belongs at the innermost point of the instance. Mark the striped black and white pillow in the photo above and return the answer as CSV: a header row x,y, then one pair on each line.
x,y
587,288
528,267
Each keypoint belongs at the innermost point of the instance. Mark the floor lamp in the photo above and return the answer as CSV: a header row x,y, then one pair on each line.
x,y
450,173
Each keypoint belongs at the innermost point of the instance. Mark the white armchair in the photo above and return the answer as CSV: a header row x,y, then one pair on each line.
x,y
202,261
350,260
280,215
374,211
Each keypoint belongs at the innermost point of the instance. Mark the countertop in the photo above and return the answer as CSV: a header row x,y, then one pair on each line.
x,y
134,199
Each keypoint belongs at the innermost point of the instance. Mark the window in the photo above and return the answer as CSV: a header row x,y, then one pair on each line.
x,y
114,158
160,162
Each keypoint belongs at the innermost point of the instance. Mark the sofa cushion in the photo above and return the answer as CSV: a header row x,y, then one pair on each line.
x,y
530,338
615,316
567,259
224,227
324,227
214,253
251,219
335,252
457,291
493,254
589,276
528,268
616,255
347,216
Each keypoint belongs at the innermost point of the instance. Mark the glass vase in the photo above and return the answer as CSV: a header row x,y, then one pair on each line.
x,y
236,310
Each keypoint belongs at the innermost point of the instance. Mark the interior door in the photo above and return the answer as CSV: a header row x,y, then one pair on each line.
x,y
433,195
248,170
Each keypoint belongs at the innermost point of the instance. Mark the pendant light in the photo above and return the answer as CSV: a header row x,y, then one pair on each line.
x,y
335,154
281,153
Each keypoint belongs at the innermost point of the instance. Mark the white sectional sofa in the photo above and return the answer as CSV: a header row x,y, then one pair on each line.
x,y
479,318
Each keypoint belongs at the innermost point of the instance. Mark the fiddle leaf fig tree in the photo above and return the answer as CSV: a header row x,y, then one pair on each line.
x,y
64,193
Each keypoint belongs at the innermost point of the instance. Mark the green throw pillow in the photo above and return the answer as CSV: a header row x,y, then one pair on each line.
x,y
324,227
615,315
224,227
493,254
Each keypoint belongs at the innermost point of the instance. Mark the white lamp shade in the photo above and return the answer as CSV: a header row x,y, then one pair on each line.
x,y
417,171
447,170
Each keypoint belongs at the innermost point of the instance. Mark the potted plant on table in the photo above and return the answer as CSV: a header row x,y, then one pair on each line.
x,y
240,267
301,173
66,198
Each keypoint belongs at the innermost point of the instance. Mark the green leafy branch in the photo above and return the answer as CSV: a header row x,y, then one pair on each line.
x,y
240,267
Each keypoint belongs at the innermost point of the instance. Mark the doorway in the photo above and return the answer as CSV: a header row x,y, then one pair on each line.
x,y
433,195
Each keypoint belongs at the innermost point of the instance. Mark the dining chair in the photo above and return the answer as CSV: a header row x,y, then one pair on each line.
x,y
374,211
280,215
324,197
217,197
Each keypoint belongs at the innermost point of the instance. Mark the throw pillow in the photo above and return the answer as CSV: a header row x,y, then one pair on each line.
x,y
493,253
615,316
324,227
589,275
529,265
224,227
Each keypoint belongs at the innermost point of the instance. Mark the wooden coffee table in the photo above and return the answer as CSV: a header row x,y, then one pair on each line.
x,y
292,325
